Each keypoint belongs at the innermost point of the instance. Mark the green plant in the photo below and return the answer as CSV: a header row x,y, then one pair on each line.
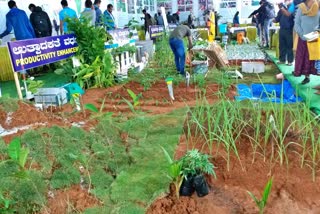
x,y
97,112
34,85
65,67
90,47
133,24
194,163
5,205
174,172
199,56
17,153
199,79
96,65
261,204
96,75
125,48
135,100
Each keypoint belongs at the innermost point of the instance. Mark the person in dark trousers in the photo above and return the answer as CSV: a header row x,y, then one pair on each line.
x,y
17,20
96,5
176,18
191,20
285,36
40,21
169,17
177,46
147,20
236,21
267,12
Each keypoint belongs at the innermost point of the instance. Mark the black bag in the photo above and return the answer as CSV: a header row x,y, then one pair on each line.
x,y
40,24
187,188
201,185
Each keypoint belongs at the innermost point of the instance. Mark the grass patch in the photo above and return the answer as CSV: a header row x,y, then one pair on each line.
x,y
126,174
9,104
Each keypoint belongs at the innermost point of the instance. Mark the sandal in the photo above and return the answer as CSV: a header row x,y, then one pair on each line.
x,y
305,81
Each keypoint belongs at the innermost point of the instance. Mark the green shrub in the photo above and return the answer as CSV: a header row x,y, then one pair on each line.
x,y
64,177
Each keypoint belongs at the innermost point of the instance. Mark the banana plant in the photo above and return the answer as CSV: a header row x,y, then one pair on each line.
x,y
99,74
174,172
135,100
18,153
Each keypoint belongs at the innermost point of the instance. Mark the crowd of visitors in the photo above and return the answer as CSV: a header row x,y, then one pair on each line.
x,y
40,25
296,18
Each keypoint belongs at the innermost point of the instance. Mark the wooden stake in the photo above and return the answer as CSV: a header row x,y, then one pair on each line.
x,y
16,78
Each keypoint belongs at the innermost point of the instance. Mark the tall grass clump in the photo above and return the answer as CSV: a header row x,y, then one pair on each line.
x,y
221,124
275,131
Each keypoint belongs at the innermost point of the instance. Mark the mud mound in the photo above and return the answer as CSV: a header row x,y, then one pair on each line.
x,y
293,190
71,200
154,100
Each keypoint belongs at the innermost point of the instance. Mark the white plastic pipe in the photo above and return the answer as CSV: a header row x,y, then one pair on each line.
x,y
187,79
170,88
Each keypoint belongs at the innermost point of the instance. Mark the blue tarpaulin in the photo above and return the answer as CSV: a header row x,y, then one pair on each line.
x,y
268,92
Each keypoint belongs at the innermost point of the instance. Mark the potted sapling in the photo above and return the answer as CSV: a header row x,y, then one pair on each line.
x,y
194,166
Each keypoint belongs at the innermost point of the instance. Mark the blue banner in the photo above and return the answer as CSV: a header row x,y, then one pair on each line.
x,y
31,53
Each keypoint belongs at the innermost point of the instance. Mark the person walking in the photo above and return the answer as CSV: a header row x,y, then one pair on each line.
x,y
109,20
267,13
40,21
89,13
191,20
97,4
285,35
64,14
169,17
306,21
17,20
159,18
147,20
236,21
176,44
